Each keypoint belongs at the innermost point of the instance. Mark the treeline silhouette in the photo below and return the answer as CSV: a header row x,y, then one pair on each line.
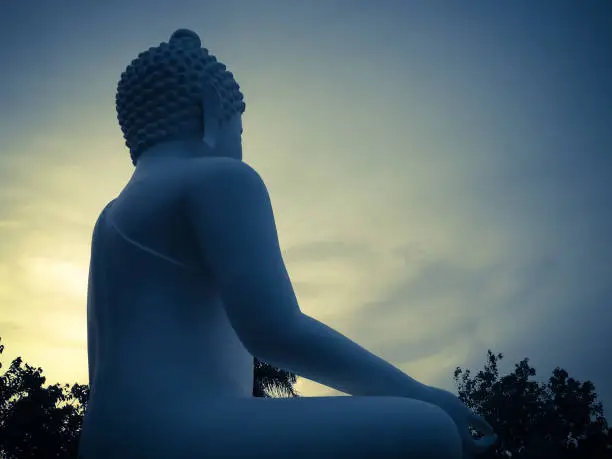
x,y
560,418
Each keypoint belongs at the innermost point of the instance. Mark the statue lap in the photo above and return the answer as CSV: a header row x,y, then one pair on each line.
x,y
315,427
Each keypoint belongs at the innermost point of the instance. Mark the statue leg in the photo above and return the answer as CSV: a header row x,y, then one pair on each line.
x,y
259,428
321,427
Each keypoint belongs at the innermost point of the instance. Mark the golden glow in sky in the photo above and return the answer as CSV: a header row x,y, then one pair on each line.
x,y
436,178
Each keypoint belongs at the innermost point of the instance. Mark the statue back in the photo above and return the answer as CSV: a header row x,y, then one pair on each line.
x,y
157,331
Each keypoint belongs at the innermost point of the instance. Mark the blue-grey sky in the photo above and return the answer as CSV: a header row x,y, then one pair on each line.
x,y
440,171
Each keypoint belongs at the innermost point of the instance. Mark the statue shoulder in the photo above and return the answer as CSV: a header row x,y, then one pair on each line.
x,y
225,175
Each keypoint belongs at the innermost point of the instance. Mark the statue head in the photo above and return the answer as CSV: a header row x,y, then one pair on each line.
x,y
179,91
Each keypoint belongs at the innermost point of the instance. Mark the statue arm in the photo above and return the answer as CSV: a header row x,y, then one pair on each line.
x,y
233,218
233,222
322,354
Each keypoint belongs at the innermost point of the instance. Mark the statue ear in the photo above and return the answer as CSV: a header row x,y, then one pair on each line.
x,y
211,115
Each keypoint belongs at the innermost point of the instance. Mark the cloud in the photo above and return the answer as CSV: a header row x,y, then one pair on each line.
x,y
447,313
322,251
7,326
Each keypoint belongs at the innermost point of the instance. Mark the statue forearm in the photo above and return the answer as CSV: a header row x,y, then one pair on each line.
x,y
317,352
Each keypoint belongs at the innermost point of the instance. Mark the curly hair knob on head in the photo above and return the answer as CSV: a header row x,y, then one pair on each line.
x,y
159,94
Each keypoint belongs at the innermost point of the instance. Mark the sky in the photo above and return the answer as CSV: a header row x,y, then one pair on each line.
x,y
440,171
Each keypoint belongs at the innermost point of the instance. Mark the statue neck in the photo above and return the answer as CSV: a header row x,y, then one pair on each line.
x,y
173,150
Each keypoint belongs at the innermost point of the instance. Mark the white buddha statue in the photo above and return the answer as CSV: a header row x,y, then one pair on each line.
x,y
187,284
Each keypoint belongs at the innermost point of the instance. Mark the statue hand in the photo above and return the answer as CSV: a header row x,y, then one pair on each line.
x,y
464,418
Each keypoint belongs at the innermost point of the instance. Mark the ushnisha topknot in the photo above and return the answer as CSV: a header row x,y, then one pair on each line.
x,y
159,95
187,38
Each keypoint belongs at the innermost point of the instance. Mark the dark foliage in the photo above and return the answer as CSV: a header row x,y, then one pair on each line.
x,y
272,382
37,421
559,419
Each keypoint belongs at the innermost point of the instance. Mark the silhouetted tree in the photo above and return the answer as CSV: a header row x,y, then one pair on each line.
x,y
41,422
559,419
269,381
37,421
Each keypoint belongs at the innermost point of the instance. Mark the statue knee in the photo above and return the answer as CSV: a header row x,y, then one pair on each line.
x,y
429,432
449,443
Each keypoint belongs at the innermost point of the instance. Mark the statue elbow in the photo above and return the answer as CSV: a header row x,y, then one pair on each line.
x,y
272,342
